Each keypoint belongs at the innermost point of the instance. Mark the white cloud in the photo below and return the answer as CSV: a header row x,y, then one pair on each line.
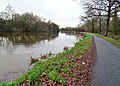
x,y
63,12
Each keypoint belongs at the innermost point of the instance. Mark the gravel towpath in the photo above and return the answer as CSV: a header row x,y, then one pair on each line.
x,y
107,67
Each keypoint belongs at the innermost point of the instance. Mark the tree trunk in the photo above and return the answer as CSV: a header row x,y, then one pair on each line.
x,y
115,22
115,33
107,28
100,26
93,26
108,18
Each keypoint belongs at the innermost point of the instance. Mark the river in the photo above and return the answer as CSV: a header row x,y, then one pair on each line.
x,y
16,49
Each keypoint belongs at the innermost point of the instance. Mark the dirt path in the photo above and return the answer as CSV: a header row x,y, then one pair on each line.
x,y
107,67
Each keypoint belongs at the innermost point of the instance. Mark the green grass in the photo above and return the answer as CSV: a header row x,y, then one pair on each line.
x,y
113,41
53,66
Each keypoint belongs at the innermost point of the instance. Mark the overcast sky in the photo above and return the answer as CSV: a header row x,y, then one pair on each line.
x,y
62,12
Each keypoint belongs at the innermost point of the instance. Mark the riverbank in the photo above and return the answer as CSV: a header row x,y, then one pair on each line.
x,y
72,67
113,41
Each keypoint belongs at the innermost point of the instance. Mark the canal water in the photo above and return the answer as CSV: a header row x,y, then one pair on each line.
x,y
16,49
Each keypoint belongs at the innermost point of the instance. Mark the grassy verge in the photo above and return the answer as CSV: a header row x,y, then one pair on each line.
x,y
113,41
56,71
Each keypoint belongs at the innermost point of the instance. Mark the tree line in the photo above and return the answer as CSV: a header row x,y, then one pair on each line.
x,y
10,21
101,16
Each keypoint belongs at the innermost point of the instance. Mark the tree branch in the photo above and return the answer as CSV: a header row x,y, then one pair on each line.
x,y
100,9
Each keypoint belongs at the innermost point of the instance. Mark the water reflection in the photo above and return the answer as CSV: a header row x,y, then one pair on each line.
x,y
77,34
26,38
69,32
8,40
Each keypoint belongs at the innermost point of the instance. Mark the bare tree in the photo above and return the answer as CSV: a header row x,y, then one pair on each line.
x,y
102,8
9,12
107,6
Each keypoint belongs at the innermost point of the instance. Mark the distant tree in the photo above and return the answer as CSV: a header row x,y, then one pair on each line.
x,y
26,22
90,17
52,26
115,23
9,12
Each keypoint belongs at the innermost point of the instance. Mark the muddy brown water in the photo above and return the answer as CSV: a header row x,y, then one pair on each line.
x,y
16,48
